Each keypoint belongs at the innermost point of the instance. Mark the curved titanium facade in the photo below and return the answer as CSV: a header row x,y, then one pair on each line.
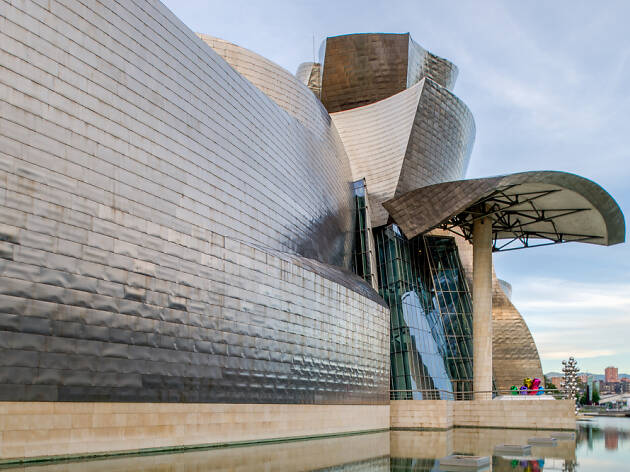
x,y
288,91
360,69
326,163
156,213
376,137
421,136
514,352
403,129
422,63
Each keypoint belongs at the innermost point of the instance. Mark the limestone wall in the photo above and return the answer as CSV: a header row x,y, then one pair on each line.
x,y
444,414
537,414
425,414
31,429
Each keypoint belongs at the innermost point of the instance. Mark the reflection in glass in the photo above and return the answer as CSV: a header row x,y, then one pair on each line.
x,y
431,315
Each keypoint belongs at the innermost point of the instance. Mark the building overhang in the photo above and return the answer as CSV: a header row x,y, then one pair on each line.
x,y
527,209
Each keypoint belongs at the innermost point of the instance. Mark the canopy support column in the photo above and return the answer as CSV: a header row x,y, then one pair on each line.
x,y
482,308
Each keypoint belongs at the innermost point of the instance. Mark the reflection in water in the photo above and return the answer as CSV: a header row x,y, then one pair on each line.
x,y
601,445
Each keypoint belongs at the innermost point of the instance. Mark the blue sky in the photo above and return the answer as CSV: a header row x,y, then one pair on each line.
x,y
548,84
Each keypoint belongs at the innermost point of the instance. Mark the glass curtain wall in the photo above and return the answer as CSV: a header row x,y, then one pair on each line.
x,y
431,315
363,261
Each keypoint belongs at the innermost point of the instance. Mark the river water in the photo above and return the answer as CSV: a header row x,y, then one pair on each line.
x,y
600,445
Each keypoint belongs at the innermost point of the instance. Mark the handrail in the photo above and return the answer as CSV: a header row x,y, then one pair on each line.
x,y
399,394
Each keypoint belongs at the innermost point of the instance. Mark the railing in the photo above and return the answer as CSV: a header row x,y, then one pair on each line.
x,y
439,394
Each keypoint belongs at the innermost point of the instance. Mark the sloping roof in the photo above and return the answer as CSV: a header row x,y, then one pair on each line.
x,y
557,206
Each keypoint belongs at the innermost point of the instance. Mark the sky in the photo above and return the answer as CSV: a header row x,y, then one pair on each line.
x,y
548,84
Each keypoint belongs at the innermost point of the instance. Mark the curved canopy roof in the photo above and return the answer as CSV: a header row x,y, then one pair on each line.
x,y
554,206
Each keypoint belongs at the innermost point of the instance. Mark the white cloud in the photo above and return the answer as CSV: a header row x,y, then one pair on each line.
x,y
546,295
580,353
585,320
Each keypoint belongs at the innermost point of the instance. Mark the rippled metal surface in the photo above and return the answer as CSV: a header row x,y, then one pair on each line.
x,y
156,215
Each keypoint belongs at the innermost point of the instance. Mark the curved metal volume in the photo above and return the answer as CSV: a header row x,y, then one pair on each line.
x,y
418,137
540,205
167,230
360,69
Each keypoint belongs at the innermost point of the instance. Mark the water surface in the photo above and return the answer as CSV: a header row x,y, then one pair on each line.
x,y
600,445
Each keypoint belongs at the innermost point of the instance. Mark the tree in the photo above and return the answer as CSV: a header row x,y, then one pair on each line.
x,y
549,385
584,398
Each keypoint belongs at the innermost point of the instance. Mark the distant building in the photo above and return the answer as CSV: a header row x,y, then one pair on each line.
x,y
557,381
611,440
611,374
583,378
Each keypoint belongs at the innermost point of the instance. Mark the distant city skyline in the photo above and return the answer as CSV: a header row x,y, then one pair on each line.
x,y
547,84
554,372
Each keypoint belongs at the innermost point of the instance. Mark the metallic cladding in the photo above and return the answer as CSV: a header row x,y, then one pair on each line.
x,y
141,179
514,352
440,142
418,210
290,93
375,137
420,136
422,64
360,69
330,231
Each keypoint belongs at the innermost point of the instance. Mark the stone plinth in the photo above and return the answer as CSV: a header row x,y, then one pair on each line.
x,y
33,429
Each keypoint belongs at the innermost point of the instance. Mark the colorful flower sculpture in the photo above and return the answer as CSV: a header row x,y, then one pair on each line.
x,y
530,387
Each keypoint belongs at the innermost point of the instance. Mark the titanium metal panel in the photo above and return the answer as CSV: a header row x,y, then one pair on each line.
x,y
167,231
286,90
376,137
360,69
422,64
418,137
574,206
514,352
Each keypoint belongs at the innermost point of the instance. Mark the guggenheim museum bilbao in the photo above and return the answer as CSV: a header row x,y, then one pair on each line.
x,y
197,246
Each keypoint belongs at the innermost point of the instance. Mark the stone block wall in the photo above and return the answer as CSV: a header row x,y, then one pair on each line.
x,y
444,414
425,414
32,429
534,414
